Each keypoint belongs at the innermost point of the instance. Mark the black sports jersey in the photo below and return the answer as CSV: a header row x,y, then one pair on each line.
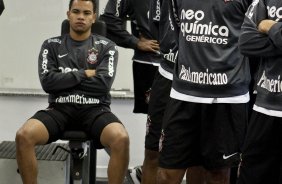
x,y
115,15
62,65
269,48
165,30
209,63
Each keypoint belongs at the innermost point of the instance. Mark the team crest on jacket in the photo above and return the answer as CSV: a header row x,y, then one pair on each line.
x,y
148,124
92,56
161,141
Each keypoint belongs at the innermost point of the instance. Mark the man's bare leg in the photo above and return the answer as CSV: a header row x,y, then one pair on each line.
x,y
218,176
32,133
196,175
150,167
170,176
116,138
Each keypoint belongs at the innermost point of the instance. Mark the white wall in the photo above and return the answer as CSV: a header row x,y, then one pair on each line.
x,y
24,25
15,110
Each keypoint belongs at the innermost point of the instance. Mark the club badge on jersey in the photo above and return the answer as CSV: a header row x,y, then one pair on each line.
x,y
92,56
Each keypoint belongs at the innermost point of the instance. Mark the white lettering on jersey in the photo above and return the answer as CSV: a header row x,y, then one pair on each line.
x,y
170,22
275,12
271,85
250,11
67,69
44,61
78,99
203,77
158,11
197,32
55,40
117,8
111,63
171,56
104,42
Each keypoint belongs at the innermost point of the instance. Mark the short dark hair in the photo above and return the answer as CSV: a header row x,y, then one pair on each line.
x,y
93,1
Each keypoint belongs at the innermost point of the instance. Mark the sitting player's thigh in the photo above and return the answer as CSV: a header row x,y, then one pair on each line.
x,y
97,121
53,120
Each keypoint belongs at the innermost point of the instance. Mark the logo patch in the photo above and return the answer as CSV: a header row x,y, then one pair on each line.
x,y
228,156
161,141
148,124
226,1
61,56
92,56
147,95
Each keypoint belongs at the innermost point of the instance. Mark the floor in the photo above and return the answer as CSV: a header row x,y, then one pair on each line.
x,y
128,180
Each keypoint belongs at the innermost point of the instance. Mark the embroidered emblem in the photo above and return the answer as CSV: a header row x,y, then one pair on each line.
x,y
148,124
92,56
161,141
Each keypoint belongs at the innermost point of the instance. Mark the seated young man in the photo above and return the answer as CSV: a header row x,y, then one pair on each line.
x,y
77,71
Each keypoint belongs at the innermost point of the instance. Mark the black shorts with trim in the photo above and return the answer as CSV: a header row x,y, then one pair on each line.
x,y
209,135
262,151
157,104
143,77
89,118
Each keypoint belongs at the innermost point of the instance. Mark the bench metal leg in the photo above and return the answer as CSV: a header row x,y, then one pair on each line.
x,y
84,169
81,162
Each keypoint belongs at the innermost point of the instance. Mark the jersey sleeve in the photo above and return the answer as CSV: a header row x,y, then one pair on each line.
x,y
173,8
102,82
114,16
251,41
275,34
154,17
51,78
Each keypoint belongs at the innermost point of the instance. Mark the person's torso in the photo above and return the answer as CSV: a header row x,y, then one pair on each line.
x,y
73,56
209,63
269,81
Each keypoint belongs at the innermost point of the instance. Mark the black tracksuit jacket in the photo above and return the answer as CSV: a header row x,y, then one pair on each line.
x,y
62,63
268,48
137,11
209,63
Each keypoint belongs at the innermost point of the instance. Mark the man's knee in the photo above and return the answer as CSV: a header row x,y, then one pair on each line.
x,y
121,141
23,137
115,136
162,176
33,132
170,176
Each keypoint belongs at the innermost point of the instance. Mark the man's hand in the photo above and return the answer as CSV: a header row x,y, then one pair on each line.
x,y
148,45
265,25
90,73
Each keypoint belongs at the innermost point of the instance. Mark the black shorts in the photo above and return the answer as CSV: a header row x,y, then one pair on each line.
x,y
143,77
89,118
209,135
262,151
157,104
